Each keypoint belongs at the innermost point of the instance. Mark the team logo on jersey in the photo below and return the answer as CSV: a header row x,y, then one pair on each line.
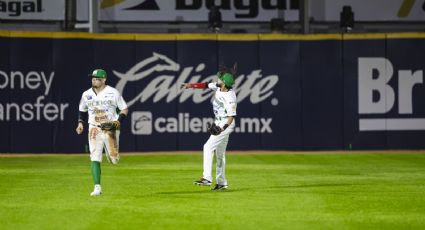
x,y
89,97
109,96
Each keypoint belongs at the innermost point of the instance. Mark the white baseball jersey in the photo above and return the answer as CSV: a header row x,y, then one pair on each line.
x,y
224,103
102,107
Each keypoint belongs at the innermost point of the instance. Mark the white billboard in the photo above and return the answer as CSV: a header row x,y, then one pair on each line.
x,y
252,10
370,10
197,10
190,10
32,9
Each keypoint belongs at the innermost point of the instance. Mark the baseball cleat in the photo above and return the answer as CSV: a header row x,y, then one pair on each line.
x,y
202,181
220,187
111,159
97,191
115,157
114,161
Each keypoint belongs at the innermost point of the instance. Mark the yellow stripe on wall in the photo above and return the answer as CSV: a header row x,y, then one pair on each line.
x,y
196,37
4,33
405,35
237,37
20,34
364,36
272,37
209,36
322,37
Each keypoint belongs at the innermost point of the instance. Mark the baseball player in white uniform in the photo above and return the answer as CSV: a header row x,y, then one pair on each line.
x,y
101,103
224,106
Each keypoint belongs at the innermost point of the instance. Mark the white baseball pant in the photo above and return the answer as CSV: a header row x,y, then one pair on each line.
x,y
99,140
218,145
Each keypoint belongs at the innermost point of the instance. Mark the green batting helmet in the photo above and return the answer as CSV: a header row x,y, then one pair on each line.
x,y
227,79
98,73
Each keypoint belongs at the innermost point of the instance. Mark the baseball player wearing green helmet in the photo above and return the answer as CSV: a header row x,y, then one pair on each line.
x,y
101,103
224,107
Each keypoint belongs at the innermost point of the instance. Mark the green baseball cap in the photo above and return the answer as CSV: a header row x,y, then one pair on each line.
x,y
98,73
227,79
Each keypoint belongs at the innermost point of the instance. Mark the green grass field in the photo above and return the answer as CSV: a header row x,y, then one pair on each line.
x,y
267,191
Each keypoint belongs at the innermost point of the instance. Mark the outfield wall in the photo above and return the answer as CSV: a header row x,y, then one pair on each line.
x,y
295,92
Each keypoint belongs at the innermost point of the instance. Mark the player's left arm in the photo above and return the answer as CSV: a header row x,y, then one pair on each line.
x,y
230,106
122,106
228,123
124,111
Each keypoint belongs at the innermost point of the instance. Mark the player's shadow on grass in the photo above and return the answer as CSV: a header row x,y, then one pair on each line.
x,y
193,192
244,189
313,185
306,186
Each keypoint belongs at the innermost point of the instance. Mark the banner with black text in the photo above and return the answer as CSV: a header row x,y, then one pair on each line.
x,y
295,92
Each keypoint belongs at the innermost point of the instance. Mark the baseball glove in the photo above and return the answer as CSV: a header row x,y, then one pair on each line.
x,y
214,129
110,125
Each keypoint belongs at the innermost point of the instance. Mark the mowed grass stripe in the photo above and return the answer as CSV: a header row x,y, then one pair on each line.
x,y
267,191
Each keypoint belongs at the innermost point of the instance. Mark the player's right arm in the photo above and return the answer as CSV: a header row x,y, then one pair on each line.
x,y
80,128
82,115
202,85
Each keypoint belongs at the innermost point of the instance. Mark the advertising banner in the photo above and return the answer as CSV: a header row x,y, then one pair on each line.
x,y
389,95
252,10
306,92
372,10
32,9
197,10
190,10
